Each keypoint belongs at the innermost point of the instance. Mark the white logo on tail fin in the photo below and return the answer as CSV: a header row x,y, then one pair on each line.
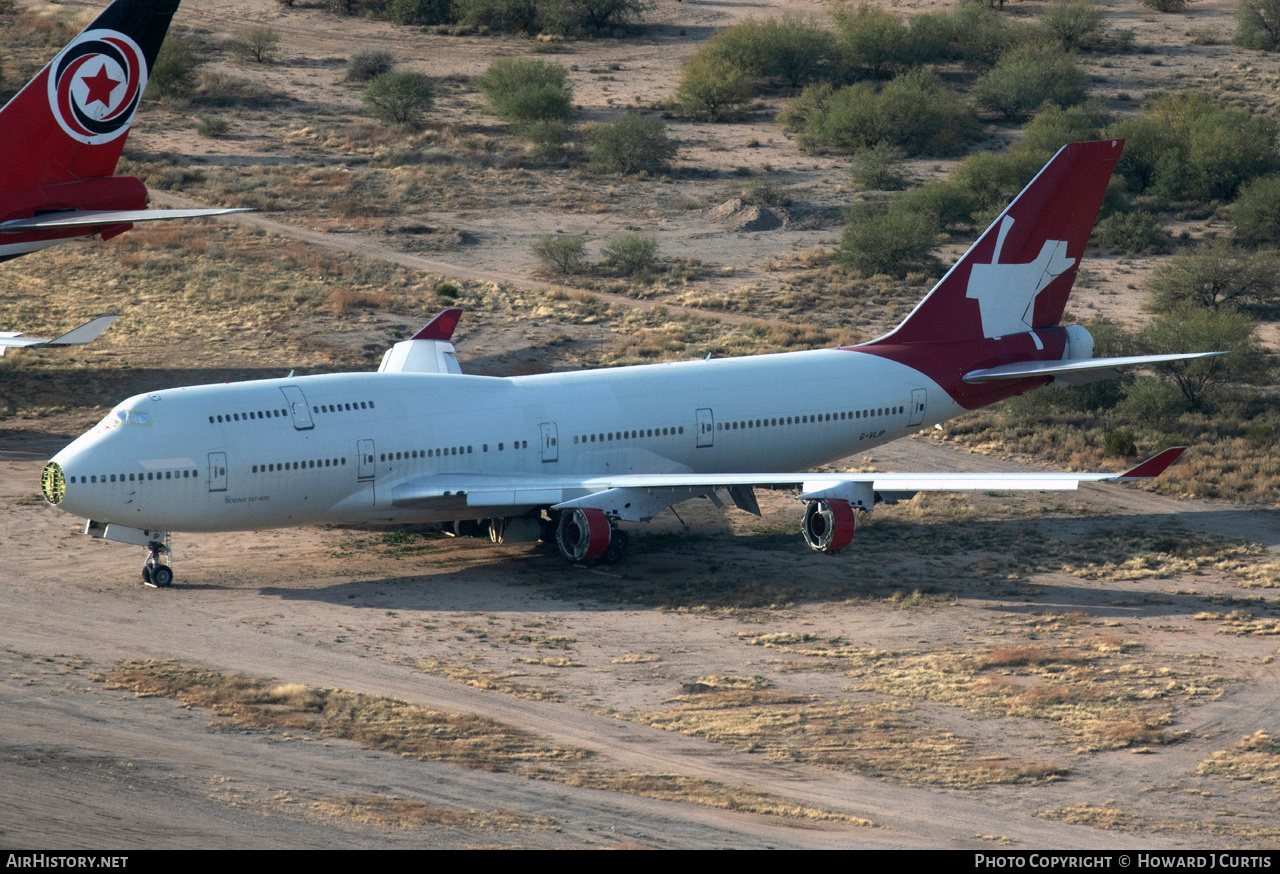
x,y
1006,293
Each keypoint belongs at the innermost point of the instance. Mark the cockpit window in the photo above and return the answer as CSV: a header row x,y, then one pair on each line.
x,y
122,416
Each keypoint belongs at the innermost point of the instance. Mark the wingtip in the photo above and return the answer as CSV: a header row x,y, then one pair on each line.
x,y
1153,466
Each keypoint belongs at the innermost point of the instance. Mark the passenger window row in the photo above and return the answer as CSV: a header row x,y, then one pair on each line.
x,y
252,414
135,477
642,433
447,450
343,407
299,465
809,420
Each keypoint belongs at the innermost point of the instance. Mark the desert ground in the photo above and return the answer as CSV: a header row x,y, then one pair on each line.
x,y
1082,670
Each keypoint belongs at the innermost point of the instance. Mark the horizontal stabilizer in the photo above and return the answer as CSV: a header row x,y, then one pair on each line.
x,y
91,218
1077,372
86,333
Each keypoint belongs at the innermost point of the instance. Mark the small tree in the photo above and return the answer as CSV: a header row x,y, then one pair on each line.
x,y
561,254
400,98
1256,212
633,144
1165,5
1196,329
592,16
630,254
423,12
1258,24
1075,24
878,167
1216,275
712,87
369,63
256,44
1135,233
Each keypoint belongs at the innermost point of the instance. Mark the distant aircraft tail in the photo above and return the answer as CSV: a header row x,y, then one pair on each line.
x,y
69,123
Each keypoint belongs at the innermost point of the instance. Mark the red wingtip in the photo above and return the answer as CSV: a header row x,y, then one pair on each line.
x,y
1155,465
441,327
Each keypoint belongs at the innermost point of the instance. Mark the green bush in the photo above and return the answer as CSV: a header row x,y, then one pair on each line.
x,y
369,63
561,254
1215,275
549,138
878,167
589,16
983,36
399,98
712,88
521,92
633,144
1256,212
1258,24
1187,147
1028,77
1165,5
507,16
1074,24
421,12
258,44
1119,443
174,71
1134,233
914,111
874,41
893,243
631,253
792,50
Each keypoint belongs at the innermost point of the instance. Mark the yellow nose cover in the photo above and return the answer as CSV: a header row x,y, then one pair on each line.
x,y
53,483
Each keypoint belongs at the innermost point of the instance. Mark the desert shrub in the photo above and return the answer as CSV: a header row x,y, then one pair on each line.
x,y
399,98
1216,274
1188,147
631,253
878,167
447,291
561,254
1165,5
518,16
1258,24
256,44
521,92
174,71
877,42
422,12
914,111
369,63
1256,212
982,36
895,243
549,138
589,16
213,127
633,144
1120,443
1192,328
712,88
1054,127
1074,24
1135,233
1028,77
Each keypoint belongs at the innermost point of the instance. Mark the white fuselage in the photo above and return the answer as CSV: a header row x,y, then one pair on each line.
x,y
331,448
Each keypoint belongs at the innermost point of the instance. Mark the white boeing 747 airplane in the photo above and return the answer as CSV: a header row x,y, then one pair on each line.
x,y
566,456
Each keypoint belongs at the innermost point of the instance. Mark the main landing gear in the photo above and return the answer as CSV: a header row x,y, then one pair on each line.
x,y
586,535
158,570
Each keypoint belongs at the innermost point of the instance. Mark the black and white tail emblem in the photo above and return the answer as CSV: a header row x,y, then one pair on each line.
x,y
95,85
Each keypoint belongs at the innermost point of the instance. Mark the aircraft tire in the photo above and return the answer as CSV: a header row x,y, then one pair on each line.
x,y
162,576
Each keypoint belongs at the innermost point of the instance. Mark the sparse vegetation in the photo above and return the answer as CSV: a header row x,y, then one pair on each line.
x,y
631,254
400,98
564,254
1026,78
634,143
369,63
522,92
258,44
1258,24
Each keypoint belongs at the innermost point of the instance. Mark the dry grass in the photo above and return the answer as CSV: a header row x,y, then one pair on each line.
x,y
390,725
1105,816
1255,758
389,811
487,680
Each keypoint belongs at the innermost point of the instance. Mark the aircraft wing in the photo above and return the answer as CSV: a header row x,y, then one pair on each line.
x,y
639,497
86,333
88,218
1078,371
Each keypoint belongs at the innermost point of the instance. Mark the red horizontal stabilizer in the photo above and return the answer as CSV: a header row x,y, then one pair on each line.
x,y
441,327
1155,465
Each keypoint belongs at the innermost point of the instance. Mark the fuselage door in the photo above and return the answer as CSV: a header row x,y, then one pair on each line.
x,y
550,451
706,428
364,467
217,471
917,406
298,407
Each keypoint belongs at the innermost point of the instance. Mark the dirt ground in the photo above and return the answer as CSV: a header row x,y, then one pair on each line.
x,y
601,658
